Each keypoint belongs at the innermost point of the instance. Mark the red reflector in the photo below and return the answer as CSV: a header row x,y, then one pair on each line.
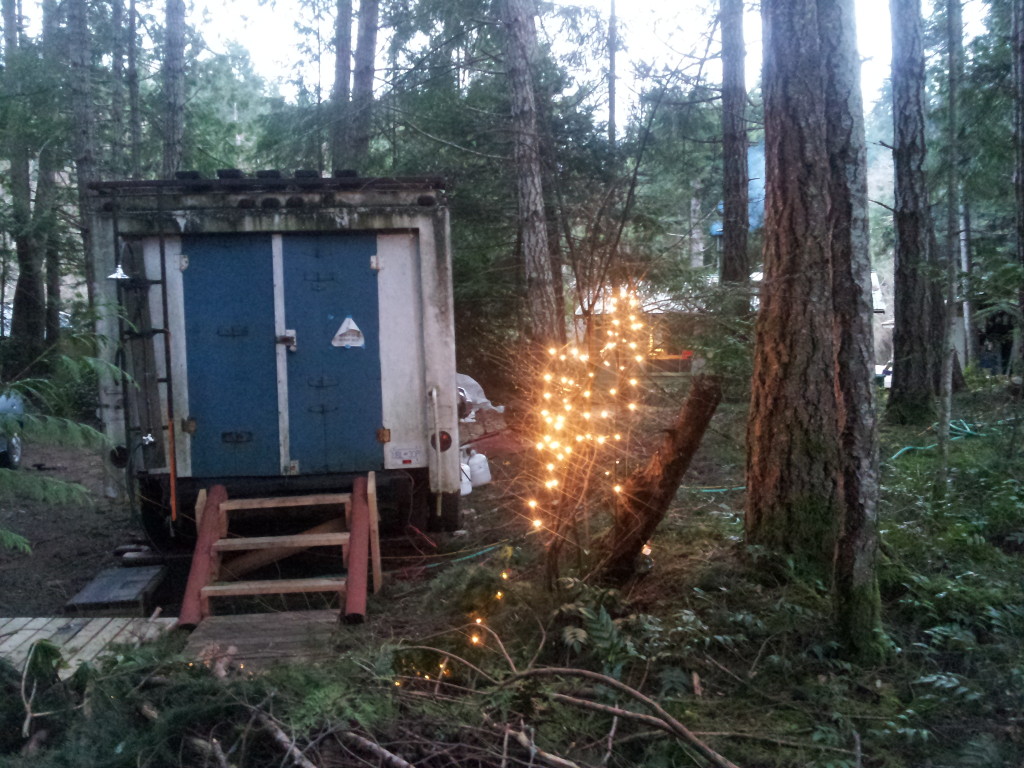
x,y
446,441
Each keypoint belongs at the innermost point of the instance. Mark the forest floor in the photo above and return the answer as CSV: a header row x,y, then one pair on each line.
x,y
71,542
458,662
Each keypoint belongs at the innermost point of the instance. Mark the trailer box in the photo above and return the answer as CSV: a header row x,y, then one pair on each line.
x,y
278,335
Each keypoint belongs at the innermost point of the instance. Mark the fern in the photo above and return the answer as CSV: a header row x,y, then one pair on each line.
x,y
21,485
11,540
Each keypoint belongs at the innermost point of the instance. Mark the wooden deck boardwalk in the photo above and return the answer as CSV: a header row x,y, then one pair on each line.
x,y
80,639
261,639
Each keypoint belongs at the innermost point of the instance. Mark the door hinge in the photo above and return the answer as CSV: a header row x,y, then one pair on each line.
x,y
383,435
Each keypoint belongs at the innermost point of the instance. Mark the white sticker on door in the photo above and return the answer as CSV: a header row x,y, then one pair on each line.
x,y
348,335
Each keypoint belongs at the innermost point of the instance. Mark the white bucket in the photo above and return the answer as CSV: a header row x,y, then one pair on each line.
x,y
465,480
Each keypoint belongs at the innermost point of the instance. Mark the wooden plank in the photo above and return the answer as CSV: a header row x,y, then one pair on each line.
x,y
132,632
11,626
276,587
83,648
261,639
371,497
44,630
296,541
320,499
15,647
200,506
250,561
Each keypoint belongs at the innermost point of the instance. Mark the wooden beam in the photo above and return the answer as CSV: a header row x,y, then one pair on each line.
x,y
276,587
320,499
251,561
371,497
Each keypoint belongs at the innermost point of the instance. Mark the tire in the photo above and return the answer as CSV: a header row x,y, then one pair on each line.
x,y
11,458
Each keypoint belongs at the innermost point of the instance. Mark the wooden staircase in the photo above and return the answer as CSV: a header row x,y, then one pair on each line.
x,y
214,575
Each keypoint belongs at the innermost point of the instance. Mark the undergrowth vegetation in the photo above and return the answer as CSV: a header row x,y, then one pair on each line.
x,y
717,655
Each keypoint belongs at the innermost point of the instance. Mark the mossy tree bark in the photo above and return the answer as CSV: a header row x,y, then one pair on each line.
x,y
812,482
915,356
547,322
855,586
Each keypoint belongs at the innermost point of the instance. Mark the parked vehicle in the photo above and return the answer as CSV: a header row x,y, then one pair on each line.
x,y
11,406
281,335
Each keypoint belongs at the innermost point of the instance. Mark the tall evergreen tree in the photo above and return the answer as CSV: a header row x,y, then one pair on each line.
x,y
547,323
915,355
811,487
173,79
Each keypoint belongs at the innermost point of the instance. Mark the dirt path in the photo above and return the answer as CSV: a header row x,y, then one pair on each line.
x,y
70,544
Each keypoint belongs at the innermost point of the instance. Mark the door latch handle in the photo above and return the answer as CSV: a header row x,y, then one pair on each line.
x,y
288,338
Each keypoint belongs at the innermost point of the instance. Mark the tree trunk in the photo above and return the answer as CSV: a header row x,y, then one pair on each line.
x,y
793,434
812,480
341,93
546,318
735,264
857,603
613,49
362,83
134,98
83,138
174,87
117,89
951,252
28,323
1018,140
648,492
913,379
44,223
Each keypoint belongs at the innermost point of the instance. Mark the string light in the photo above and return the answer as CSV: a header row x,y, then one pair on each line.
x,y
576,390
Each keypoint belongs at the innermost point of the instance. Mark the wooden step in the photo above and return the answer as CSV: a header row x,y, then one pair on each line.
x,y
284,502
297,541
275,587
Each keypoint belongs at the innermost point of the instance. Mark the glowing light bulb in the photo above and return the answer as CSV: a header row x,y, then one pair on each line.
x,y
504,575
632,406
632,382
532,503
605,414
475,639
537,524
551,467
498,595
639,358
548,377
552,351
617,488
547,395
613,391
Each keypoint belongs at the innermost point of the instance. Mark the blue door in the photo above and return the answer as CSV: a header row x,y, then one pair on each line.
x,y
334,386
229,335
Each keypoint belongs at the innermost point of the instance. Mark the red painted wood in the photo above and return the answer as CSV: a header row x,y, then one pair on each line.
x,y
214,526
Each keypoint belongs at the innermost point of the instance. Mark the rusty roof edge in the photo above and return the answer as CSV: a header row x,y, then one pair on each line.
x,y
270,184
